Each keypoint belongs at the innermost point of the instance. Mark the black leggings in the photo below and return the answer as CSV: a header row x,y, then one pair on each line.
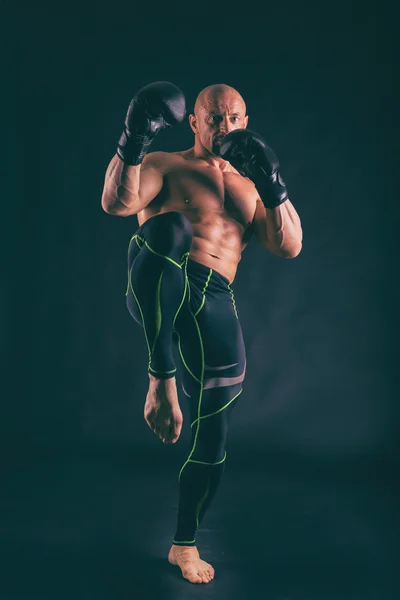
x,y
177,299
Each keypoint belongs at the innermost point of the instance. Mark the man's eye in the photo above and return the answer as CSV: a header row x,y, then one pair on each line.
x,y
235,119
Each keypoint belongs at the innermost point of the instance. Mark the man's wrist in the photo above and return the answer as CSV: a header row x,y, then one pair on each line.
x,y
275,206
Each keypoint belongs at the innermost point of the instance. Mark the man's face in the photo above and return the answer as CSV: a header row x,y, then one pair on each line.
x,y
216,117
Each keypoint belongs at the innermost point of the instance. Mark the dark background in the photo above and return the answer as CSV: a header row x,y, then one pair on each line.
x,y
306,508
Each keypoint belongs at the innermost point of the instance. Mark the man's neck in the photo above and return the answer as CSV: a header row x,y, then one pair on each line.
x,y
201,153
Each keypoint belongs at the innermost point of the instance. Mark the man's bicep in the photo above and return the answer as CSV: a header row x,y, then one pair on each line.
x,y
151,179
259,225
259,221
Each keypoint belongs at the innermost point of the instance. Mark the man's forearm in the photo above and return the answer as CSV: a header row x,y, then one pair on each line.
x,y
121,186
283,230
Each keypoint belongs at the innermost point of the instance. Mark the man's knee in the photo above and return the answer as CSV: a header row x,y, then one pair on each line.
x,y
210,451
211,456
169,232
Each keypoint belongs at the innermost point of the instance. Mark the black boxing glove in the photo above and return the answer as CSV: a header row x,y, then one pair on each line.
x,y
154,107
248,152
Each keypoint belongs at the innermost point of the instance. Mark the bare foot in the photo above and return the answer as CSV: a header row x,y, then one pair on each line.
x,y
162,412
193,568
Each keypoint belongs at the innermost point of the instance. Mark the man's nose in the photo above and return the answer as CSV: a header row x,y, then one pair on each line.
x,y
221,128
226,125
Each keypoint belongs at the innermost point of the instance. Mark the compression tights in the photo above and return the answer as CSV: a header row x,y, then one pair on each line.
x,y
177,299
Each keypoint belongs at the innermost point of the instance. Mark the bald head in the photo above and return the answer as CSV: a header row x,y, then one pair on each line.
x,y
218,94
218,109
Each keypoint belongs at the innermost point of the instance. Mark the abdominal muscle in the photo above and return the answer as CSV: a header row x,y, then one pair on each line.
x,y
217,249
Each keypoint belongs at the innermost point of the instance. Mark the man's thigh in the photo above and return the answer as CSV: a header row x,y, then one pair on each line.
x,y
212,353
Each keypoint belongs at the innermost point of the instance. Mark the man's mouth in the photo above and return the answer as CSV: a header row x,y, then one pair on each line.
x,y
217,143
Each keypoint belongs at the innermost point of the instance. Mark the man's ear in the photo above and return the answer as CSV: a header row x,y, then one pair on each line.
x,y
246,120
193,123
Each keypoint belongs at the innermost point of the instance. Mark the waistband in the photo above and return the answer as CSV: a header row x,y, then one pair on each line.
x,y
202,275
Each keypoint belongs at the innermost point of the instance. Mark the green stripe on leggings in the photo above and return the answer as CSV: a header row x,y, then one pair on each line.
x,y
219,410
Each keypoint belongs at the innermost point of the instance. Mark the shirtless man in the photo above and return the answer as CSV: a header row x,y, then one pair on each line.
x,y
197,210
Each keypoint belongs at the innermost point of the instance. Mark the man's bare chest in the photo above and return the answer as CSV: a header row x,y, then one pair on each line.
x,y
208,190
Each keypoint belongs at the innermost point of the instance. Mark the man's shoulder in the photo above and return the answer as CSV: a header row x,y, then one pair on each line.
x,y
163,160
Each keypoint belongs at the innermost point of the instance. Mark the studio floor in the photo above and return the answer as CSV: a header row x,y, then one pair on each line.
x,y
98,525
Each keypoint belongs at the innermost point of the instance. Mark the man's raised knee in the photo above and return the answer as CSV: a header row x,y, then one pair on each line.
x,y
169,231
